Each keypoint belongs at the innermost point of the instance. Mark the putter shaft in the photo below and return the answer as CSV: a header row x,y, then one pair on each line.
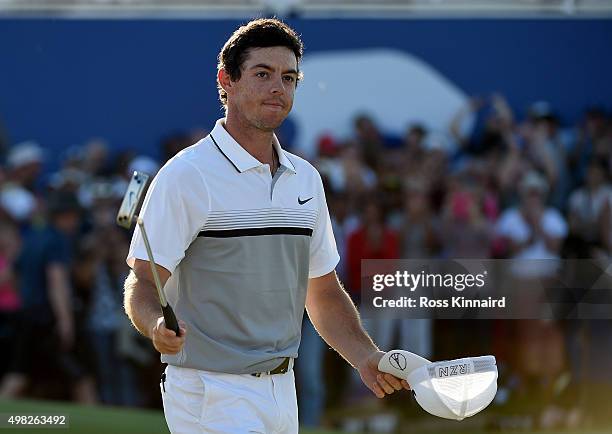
x,y
169,316
158,285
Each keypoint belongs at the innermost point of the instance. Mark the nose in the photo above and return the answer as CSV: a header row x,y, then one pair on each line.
x,y
278,87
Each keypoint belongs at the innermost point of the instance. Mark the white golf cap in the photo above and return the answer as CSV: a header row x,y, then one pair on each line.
x,y
25,153
453,389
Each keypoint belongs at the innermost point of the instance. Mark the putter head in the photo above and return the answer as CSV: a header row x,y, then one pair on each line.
x,y
133,195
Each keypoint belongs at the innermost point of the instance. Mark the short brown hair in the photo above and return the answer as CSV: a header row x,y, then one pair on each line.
x,y
260,33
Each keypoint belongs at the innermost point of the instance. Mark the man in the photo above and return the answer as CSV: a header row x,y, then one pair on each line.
x,y
242,240
50,344
532,230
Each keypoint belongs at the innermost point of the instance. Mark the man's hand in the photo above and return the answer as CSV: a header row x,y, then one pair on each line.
x,y
165,340
380,383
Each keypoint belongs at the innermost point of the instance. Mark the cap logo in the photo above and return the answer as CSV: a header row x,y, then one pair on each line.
x,y
398,361
452,370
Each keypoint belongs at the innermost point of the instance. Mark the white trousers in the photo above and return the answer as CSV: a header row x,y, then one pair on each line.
x,y
210,402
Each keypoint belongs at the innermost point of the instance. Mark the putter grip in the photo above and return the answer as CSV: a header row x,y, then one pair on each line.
x,y
170,319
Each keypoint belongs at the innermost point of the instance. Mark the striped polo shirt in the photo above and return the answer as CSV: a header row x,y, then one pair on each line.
x,y
241,246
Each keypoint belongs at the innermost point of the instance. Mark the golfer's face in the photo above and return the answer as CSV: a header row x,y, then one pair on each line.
x,y
264,93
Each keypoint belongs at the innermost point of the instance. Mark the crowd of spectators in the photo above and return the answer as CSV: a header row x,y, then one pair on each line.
x,y
532,190
62,268
529,188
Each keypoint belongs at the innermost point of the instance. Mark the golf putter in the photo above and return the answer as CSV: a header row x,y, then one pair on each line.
x,y
125,217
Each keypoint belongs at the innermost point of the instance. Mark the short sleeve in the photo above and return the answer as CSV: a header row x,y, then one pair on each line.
x,y
175,207
554,224
323,252
57,250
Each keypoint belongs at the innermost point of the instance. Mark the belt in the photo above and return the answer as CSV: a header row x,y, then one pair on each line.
x,y
284,367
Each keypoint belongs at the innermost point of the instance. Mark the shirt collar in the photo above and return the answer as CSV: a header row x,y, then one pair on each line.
x,y
238,156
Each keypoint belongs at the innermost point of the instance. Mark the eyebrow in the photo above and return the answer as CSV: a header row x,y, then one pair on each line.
x,y
269,68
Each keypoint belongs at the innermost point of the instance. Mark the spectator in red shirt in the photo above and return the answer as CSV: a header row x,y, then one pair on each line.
x,y
373,239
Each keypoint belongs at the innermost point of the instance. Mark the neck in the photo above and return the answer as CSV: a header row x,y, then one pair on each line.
x,y
255,141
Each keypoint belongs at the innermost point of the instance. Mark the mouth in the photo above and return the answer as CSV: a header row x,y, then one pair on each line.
x,y
274,105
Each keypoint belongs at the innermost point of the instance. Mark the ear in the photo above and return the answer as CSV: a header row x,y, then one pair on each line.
x,y
224,80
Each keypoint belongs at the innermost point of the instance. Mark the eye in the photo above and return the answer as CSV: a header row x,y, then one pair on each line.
x,y
262,74
289,78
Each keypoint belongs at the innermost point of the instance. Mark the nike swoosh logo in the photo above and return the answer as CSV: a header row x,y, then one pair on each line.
x,y
302,202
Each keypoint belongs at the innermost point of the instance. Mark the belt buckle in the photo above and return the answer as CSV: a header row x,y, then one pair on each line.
x,y
282,370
